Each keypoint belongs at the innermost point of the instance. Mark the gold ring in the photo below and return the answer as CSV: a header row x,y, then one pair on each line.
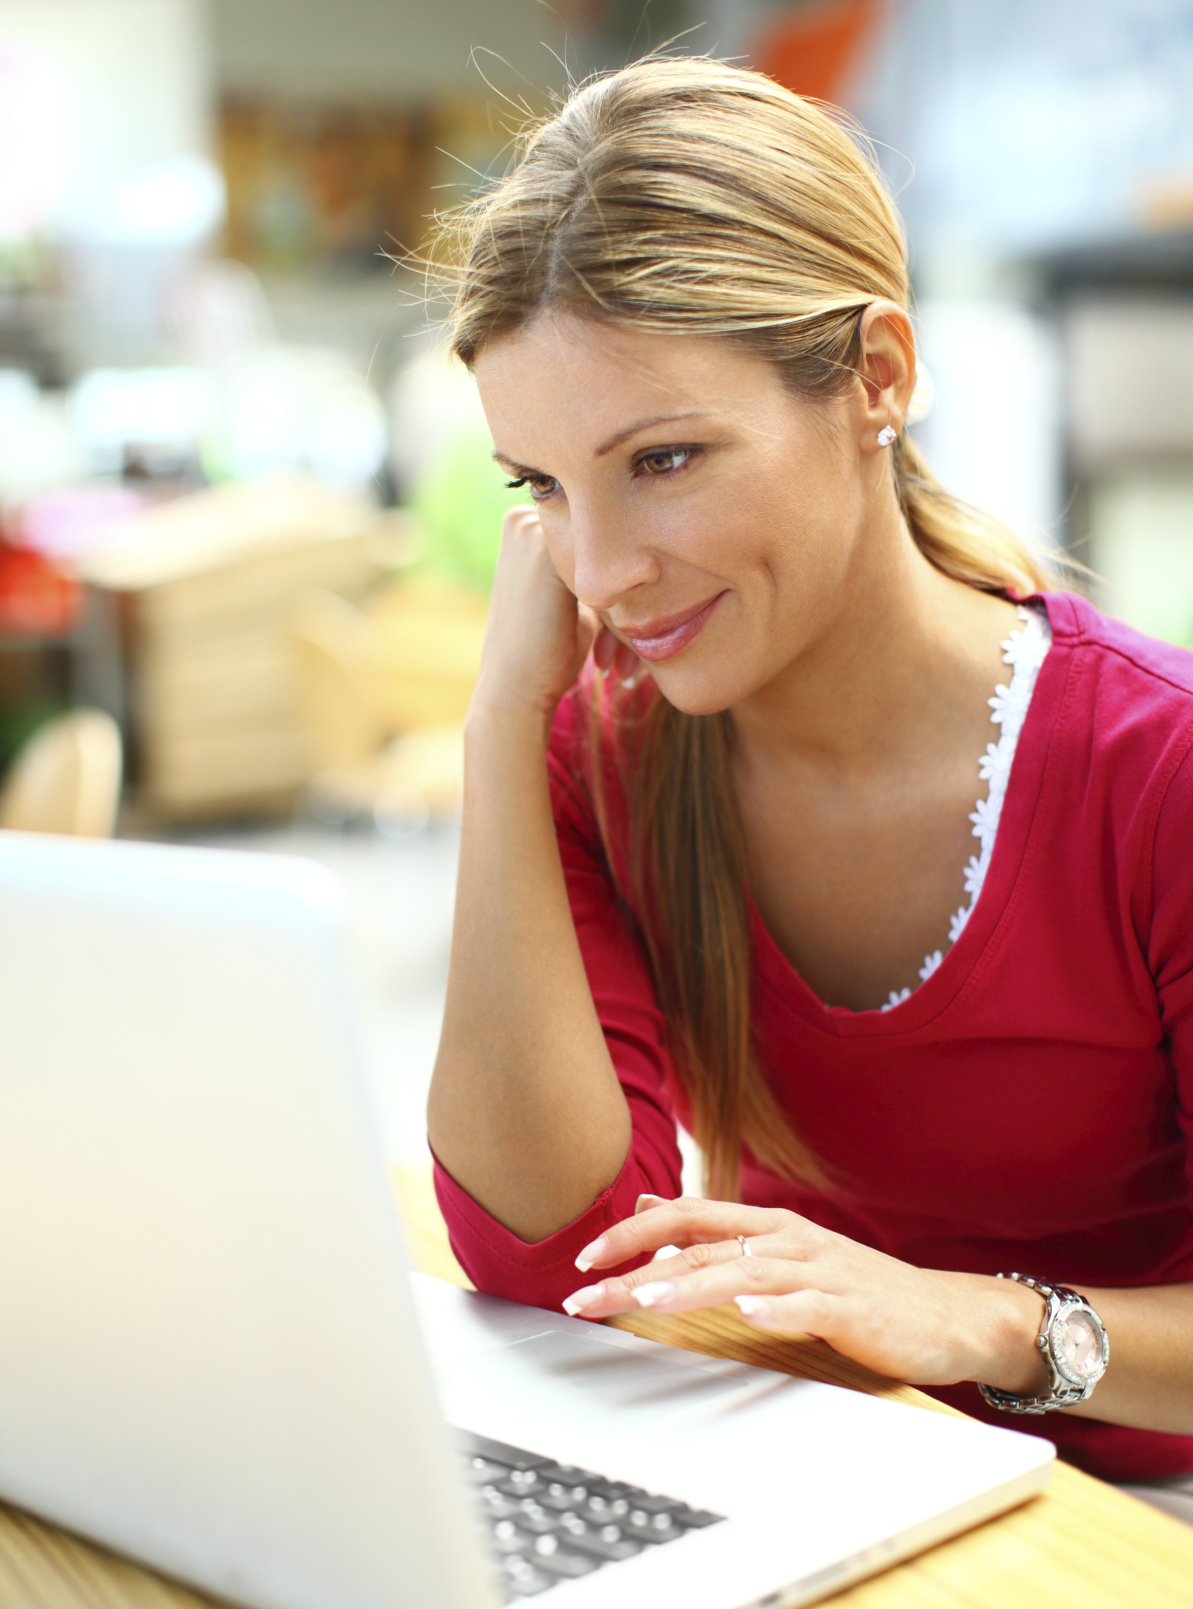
x,y
745,1246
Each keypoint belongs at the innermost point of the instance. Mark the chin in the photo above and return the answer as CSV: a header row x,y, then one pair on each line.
x,y
700,691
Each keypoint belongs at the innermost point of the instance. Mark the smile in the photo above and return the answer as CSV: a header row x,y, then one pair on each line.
x,y
664,638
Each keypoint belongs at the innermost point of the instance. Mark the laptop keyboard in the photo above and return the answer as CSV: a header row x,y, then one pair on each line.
x,y
550,1522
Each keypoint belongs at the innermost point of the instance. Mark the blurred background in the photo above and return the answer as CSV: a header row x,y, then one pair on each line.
x,y
247,516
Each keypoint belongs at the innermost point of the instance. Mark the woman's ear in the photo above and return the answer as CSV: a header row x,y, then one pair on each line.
x,y
886,368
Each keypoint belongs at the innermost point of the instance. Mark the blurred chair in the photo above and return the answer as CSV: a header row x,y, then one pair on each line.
x,y
66,779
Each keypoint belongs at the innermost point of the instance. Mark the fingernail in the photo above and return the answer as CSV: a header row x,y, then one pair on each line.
x,y
753,1306
579,1300
627,681
646,1201
591,1253
658,1290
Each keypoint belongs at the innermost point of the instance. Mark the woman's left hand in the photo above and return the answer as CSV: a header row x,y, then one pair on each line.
x,y
920,1325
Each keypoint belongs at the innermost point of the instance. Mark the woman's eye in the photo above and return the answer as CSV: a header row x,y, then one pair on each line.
x,y
540,485
666,460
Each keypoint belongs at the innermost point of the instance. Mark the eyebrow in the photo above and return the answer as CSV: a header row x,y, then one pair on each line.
x,y
643,424
606,446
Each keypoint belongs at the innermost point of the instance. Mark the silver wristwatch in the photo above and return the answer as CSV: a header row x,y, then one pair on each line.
x,y
1074,1346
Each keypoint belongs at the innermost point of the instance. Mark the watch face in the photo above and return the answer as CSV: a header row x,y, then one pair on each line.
x,y
1077,1345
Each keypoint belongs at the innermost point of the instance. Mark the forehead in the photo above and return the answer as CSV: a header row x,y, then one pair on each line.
x,y
565,376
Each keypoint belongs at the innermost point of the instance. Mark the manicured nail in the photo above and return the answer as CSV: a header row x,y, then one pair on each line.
x,y
627,681
579,1300
591,1253
753,1306
658,1290
646,1201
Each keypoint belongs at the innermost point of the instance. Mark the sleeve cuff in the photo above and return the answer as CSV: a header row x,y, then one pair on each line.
x,y
541,1273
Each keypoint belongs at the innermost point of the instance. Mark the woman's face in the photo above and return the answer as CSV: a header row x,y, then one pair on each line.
x,y
709,517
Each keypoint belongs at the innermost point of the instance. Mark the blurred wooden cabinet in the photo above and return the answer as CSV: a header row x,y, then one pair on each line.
x,y
207,588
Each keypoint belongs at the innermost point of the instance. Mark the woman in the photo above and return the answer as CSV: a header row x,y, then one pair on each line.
x,y
726,875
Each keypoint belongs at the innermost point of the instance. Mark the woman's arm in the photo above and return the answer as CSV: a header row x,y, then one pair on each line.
x,y
1149,1381
925,1326
525,1110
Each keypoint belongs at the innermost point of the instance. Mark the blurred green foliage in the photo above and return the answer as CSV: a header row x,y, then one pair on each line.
x,y
639,26
18,723
460,501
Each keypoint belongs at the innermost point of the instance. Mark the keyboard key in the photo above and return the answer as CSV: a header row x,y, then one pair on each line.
x,y
657,1505
481,1470
507,1538
607,1543
538,1520
568,1473
490,1494
561,1497
695,1519
522,1580
483,1447
652,1527
566,1565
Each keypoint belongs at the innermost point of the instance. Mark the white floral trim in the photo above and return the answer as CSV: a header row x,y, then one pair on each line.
x,y
1024,651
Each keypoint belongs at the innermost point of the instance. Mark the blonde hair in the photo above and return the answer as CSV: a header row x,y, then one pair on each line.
x,y
692,197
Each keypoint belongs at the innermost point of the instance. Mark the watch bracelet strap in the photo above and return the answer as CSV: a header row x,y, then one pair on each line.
x,y
1008,1402
1062,1396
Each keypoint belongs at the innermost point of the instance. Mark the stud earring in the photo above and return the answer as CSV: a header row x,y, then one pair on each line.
x,y
886,435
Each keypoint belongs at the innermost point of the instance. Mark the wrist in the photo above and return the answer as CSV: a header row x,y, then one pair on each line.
x,y
1008,1322
499,721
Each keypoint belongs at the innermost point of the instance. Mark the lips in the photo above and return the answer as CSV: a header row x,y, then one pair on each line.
x,y
655,640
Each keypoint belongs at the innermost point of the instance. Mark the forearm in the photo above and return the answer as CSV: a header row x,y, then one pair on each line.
x,y
1149,1381
526,1111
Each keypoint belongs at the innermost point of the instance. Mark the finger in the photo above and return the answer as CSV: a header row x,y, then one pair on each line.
x,y
702,1255
679,1223
807,1312
588,626
720,1280
604,649
519,517
625,664
646,1201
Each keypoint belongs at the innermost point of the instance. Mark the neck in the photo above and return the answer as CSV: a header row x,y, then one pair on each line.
x,y
899,672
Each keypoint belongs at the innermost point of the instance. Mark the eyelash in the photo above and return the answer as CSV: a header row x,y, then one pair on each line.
x,y
529,480
655,452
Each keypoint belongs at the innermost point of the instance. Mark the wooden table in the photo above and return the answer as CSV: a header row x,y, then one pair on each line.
x,y
1079,1545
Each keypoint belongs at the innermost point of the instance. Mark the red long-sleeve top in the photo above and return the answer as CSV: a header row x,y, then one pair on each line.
x,y
1029,1106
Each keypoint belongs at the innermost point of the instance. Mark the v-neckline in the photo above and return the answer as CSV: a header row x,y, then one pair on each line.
x,y
1007,864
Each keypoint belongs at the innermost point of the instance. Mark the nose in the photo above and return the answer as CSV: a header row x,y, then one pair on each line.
x,y
609,558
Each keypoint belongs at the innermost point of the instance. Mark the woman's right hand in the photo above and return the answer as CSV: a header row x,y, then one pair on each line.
x,y
538,635
525,1110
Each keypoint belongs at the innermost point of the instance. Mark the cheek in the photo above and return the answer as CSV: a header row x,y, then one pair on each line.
x,y
715,531
802,536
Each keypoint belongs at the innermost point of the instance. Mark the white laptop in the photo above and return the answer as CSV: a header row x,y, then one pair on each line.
x,y
209,1354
